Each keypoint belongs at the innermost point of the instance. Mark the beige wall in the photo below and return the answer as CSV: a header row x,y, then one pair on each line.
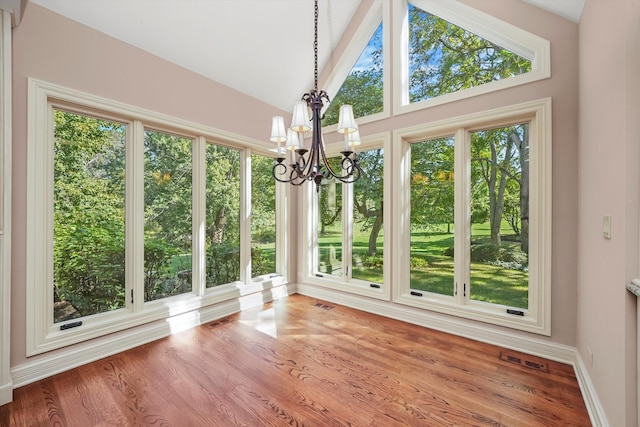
x,y
54,49
609,184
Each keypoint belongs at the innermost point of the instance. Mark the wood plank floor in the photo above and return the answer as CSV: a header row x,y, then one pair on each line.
x,y
303,362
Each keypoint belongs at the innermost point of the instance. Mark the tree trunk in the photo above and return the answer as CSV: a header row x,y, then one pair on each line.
x,y
523,151
375,230
496,198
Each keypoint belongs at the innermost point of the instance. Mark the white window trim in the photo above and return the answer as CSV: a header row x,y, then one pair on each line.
x,y
42,334
6,385
310,241
537,318
529,46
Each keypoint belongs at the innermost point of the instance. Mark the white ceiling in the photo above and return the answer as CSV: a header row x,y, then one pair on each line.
x,y
248,45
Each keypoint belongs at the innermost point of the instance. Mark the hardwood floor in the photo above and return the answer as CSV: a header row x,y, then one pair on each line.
x,y
299,361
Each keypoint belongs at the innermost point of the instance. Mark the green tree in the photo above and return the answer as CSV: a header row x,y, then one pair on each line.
x,y
167,215
362,88
88,251
222,215
432,182
367,198
444,58
263,216
500,161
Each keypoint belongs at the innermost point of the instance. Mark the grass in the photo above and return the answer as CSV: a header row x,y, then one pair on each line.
x,y
432,270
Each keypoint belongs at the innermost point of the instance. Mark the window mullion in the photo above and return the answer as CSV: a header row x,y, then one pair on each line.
x,y
282,235
347,231
134,217
245,216
462,216
199,215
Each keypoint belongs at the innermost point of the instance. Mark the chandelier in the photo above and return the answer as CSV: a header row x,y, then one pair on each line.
x,y
312,164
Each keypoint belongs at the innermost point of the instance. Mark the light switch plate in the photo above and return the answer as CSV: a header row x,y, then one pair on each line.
x,y
606,226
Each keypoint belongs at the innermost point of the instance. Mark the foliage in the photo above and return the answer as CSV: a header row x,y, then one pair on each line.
x,y
88,251
363,87
89,213
432,182
444,58
263,216
167,214
367,199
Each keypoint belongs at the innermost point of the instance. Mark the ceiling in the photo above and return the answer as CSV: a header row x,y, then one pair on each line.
x,y
248,45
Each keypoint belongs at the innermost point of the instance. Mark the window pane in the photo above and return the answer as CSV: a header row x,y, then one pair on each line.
x,y
432,215
444,58
223,215
330,224
89,195
368,232
500,216
363,86
167,215
263,216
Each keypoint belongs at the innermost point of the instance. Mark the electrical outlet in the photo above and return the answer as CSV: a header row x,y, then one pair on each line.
x,y
589,356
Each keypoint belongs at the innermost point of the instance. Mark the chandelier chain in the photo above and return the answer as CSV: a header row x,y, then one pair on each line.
x,y
315,47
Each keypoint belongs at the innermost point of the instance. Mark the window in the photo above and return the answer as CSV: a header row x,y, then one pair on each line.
x,y
167,215
135,217
447,51
444,58
263,216
361,75
474,193
363,87
88,221
432,215
222,225
347,226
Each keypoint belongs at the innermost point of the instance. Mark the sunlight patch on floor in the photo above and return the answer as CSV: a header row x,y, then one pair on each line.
x,y
264,321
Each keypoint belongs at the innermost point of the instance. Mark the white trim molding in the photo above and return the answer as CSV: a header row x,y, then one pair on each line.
x,y
6,388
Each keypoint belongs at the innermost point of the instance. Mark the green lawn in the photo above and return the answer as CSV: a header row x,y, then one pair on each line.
x,y
431,269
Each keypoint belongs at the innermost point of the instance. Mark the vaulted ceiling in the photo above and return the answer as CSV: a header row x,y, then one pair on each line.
x,y
257,47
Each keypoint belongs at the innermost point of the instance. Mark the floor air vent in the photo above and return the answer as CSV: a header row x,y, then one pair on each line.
x,y
524,360
220,322
324,306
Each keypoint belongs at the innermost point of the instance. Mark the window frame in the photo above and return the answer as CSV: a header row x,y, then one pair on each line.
x,y
537,318
42,334
528,45
345,282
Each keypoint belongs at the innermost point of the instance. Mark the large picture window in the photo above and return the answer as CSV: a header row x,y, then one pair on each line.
x,y
135,217
474,193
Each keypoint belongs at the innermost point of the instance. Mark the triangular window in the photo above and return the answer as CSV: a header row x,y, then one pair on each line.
x,y
363,87
444,58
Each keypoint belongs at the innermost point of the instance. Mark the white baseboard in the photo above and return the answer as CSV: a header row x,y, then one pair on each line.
x,y
596,412
514,341
82,354
6,393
